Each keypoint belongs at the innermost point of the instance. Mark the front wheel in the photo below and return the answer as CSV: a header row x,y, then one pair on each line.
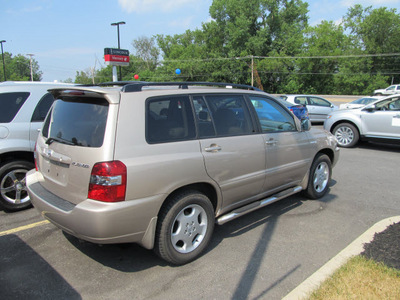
x,y
184,228
320,175
14,195
346,134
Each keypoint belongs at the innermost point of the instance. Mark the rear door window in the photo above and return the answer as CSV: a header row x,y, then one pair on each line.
x,y
10,104
230,114
42,108
169,119
79,122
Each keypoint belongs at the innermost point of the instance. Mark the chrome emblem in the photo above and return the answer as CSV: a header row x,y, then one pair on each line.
x,y
81,165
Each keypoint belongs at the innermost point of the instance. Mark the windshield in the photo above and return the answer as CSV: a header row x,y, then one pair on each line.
x,y
77,122
364,101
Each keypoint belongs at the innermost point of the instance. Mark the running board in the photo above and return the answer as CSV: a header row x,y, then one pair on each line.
x,y
256,205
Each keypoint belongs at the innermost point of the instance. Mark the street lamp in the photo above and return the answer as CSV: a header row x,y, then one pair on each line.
x,y
4,64
119,47
30,63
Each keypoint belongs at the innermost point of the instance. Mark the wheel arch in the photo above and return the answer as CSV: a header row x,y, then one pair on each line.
x,y
328,152
202,187
17,155
345,121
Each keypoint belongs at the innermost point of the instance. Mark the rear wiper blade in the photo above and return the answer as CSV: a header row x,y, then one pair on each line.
x,y
50,140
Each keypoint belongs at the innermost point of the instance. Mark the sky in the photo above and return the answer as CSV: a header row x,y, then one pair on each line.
x,y
67,36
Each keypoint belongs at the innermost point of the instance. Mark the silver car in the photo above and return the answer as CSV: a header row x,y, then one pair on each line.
x,y
160,166
378,121
24,106
318,107
359,102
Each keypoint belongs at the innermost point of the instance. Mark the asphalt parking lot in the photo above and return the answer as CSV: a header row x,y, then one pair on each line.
x,y
263,255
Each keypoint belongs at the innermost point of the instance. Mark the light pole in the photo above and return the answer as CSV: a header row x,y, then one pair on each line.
x,y
4,64
30,62
119,47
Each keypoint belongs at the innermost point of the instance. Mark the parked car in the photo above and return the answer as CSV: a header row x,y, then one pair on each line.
x,y
378,121
160,166
299,110
24,106
359,102
393,89
318,107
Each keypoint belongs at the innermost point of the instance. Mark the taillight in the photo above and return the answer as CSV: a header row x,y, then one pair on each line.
x,y
108,182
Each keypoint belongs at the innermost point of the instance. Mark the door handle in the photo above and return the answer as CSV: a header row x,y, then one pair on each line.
x,y
213,148
271,142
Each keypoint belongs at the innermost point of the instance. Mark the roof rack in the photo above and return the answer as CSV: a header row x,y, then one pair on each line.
x,y
136,86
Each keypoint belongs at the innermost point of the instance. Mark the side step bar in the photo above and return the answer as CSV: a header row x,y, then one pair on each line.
x,y
256,205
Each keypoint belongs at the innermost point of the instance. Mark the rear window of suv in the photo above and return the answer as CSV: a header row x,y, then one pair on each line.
x,y
10,105
79,122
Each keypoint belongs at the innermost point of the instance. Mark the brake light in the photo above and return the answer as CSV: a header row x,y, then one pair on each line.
x,y
108,182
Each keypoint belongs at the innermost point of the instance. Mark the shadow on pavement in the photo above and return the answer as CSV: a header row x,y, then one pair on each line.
x,y
26,275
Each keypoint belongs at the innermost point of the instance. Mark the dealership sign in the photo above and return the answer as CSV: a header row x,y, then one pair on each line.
x,y
116,57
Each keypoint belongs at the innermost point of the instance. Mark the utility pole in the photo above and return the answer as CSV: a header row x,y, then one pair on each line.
x,y
30,62
119,47
252,70
4,64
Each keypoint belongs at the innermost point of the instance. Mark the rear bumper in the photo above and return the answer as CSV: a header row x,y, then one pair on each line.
x,y
95,221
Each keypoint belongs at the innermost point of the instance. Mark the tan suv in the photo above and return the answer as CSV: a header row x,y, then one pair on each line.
x,y
160,164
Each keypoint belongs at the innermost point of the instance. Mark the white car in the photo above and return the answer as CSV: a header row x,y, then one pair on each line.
x,y
24,105
393,89
378,121
358,103
318,107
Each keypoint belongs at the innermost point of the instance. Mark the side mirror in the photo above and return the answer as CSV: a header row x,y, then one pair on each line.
x,y
370,108
305,124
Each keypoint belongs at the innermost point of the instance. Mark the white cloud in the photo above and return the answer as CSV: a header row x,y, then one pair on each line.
x,y
348,3
148,5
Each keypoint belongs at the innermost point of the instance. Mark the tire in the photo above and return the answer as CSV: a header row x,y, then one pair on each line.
x,y
320,176
13,192
184,228
346,134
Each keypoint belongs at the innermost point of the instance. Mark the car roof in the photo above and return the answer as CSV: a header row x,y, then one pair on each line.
x,y
32,83
113,90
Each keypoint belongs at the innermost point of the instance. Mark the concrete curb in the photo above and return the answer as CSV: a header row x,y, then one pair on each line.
x,y
355,248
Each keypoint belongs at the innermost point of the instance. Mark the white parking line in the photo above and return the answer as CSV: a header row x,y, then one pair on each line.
x,y
21,228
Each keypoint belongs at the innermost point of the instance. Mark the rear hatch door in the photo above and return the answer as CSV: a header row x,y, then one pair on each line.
x,y
78,132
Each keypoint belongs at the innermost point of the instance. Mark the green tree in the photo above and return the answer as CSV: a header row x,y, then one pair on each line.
x,y
146,51
260,28
376,31
18,68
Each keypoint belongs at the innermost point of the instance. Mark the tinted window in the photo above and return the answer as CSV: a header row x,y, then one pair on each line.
x,y
169,119
42,108
10,104
272,116
318,102
301,100
392,104
77,122
205,125
230,114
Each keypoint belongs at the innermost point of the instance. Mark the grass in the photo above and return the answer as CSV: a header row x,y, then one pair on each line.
x,y
360,278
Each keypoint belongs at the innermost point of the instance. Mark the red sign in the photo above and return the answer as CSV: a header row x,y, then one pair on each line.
x,y
117,60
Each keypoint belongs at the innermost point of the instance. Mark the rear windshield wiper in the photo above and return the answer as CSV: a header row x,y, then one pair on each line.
x,y
50,140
